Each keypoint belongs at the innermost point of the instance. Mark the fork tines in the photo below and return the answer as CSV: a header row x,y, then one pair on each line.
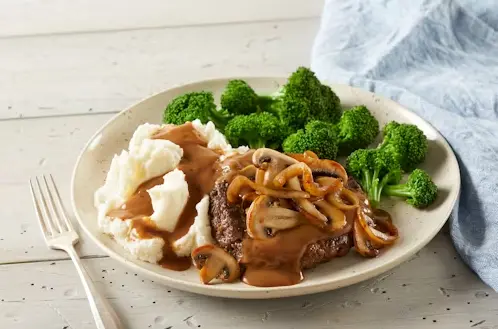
x,y
48,206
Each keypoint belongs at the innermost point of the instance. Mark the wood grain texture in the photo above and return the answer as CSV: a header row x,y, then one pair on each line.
x,y
432,290
106,72
46,145
21,18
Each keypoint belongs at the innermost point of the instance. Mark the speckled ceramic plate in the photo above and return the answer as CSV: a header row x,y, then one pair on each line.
x,y
416,227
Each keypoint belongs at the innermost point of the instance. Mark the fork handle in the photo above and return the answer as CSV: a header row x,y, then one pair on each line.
x,y
104,315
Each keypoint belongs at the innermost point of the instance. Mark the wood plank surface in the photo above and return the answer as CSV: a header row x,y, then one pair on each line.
x,y
21,18
107,72
433,290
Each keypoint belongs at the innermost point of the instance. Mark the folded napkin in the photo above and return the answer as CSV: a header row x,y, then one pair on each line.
x,y
440,60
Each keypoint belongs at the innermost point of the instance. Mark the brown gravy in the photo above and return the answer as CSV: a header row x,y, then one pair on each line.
x,y
201,168
277,261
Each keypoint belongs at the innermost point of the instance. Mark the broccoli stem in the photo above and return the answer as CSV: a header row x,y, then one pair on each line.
x,y
219,118
367,179
397,190
257,143
374,189
382,185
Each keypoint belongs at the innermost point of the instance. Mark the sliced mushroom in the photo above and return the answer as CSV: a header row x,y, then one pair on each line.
x,y
213,262
242,184
265,218
272,162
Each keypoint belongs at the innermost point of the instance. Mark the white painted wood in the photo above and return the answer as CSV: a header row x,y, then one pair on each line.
x,y
431,287
106,72
38,146
60,16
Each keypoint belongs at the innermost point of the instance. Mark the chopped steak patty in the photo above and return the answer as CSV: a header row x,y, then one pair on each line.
x,y
228,228
227,220
324,250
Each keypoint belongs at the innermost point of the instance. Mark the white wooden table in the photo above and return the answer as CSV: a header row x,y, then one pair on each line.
x,y
67,66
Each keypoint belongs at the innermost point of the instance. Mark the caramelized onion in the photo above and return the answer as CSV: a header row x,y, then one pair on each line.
x,y
336,218
260,176
248,198
248,171
241,182
310,212
370,225
361,242
301,169
331,183
337,199
322,167
310,154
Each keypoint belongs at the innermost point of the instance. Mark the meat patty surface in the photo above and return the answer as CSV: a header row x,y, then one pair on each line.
x,y
228,229
227,220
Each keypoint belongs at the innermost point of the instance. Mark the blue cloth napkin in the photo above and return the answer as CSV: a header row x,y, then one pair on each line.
x,y
440,60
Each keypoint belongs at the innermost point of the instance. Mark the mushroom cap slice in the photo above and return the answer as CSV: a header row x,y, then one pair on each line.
x,y
264,218
215,262
272,162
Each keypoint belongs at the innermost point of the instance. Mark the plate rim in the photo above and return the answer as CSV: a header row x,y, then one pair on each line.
x,y
260,292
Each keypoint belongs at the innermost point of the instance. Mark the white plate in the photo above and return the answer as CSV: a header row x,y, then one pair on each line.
x,y
416,227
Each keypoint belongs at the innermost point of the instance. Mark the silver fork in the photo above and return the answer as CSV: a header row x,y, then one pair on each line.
x,y
60,234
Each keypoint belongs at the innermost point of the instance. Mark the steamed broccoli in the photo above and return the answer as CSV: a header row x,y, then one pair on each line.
x,y
357,128
195,105
419,191
318,136
302,99
407,142
239,98
373,169
256,130
330,109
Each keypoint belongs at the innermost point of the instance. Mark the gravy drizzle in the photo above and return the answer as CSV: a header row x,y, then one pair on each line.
x,y
277,261
201,168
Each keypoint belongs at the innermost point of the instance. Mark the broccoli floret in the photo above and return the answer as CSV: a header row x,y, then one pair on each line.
x,y
239,98
302,99
269,103
357,128
317,136
330,106
419,191
195,105
256,130
407,142
373,169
